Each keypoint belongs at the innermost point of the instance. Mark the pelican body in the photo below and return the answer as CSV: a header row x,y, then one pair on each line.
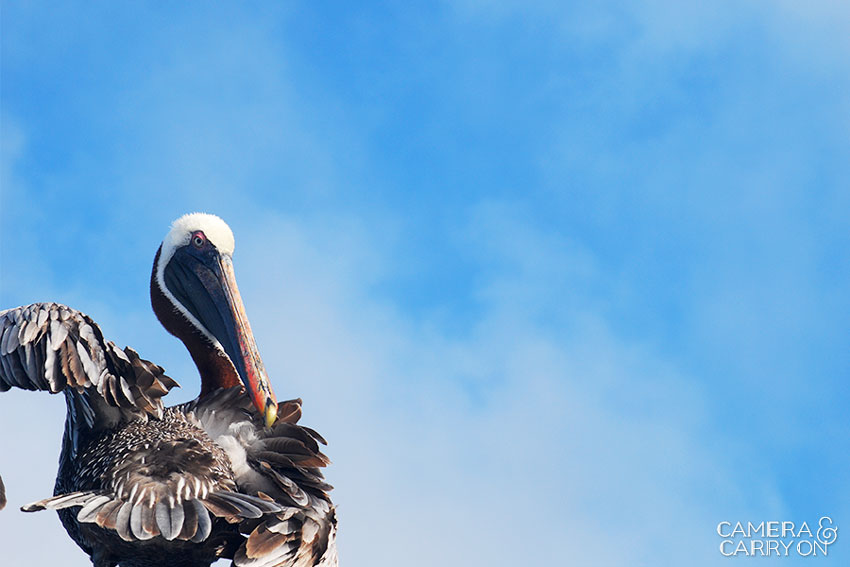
x,y
230,474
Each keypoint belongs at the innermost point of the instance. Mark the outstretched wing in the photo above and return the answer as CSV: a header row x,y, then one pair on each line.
x,y
51,347
283,464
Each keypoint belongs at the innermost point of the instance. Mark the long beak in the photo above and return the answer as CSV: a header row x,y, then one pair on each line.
x,y
259,386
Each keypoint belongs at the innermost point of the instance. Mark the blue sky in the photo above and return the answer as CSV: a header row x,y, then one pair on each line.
x,y
561,284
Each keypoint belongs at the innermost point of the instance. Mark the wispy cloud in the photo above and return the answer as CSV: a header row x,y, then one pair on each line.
x,y
559,283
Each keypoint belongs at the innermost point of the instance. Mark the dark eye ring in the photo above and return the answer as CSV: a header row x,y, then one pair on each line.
x,y
198,239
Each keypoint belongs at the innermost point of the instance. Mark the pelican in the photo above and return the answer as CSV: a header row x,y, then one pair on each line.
x,y
230,474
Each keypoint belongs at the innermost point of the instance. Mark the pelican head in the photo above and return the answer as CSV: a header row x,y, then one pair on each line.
x,y
194,295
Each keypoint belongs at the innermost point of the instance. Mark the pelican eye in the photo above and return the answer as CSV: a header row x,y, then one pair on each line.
x,y
198,239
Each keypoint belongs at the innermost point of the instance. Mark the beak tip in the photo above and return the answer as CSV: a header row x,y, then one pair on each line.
x,y
270,413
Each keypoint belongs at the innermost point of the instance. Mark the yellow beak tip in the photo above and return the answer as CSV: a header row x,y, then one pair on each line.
x,y
271,414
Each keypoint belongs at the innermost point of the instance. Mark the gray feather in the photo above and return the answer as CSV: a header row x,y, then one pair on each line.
x,y
88,513
204,522
122,521
61,501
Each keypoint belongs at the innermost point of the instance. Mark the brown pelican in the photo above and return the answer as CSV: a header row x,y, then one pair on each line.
x,y
228,475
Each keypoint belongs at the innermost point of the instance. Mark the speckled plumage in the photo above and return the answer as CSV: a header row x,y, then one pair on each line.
x,y
175,444
148,460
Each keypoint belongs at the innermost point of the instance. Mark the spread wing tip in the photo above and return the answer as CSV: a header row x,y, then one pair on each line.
x,y
52,347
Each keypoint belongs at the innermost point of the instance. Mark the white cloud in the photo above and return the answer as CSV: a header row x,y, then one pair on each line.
x,y
487,448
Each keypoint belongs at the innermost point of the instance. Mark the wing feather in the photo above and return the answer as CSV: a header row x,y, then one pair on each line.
x,y
50,347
